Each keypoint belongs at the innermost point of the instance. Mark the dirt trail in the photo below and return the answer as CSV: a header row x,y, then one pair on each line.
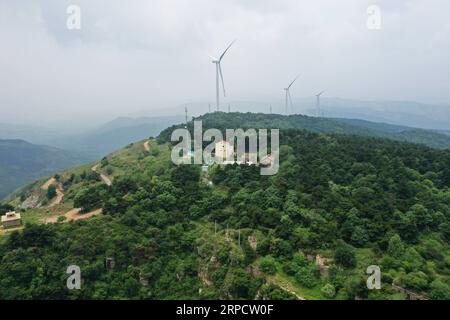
x,y
57,200
74,215
104,178
286,287
147,145
48,183
59,194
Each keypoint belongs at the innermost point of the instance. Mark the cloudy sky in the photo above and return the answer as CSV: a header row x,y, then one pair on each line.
x,y
147,55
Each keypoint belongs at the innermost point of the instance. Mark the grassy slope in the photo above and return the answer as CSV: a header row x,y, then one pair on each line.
x,y
22,162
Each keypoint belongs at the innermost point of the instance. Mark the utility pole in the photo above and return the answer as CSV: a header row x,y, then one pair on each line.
x,y
186,112
229,108
239,237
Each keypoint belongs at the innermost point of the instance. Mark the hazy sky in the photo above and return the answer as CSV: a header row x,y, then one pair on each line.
x,y
135,55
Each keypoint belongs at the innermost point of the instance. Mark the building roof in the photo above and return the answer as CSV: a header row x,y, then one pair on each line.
x,y
11,216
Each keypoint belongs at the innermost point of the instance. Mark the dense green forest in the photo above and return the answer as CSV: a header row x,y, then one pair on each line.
x,y
175,232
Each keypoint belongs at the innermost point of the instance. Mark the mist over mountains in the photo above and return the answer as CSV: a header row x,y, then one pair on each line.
x,y
22,162
403,113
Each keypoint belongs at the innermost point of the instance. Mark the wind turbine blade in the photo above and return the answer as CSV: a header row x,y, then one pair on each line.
x,y
293,81
320,93
220,59
221,77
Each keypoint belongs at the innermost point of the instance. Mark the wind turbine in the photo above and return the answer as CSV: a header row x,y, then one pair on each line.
x,y
318,102
219,74
288,98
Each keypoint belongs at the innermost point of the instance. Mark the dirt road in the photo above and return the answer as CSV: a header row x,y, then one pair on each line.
x,y
74,215
147,145
102,176
59,194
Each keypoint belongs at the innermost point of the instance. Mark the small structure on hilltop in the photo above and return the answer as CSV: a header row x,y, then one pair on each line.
x,y
11,219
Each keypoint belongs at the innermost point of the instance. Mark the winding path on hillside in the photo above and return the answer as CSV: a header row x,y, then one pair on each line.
x,y
104,177
59,194
147,145
285,286
73,215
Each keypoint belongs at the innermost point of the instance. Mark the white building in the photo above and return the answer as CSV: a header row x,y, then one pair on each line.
x,y
11,219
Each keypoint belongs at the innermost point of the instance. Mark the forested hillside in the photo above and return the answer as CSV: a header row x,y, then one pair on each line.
x,y
430,138
338,204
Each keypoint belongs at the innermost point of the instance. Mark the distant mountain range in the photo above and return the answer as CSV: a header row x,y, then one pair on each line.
x,y
22,162
95,143
403,113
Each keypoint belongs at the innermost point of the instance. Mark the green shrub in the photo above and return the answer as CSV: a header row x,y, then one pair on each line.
x,y
328,290
268,265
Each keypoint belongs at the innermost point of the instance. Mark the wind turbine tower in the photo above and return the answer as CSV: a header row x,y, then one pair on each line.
x,y
318,103
288,98
219,74
186,113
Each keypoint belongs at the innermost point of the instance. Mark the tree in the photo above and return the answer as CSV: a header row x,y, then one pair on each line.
x,y
440,290
344,255
306,276
416,280
89,198
5,208
396,247
243,286
328,290
268,265
355,286
51,191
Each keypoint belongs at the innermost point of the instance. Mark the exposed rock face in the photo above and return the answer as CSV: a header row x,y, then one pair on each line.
x,y
253,242
143,280
31,202
322,264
